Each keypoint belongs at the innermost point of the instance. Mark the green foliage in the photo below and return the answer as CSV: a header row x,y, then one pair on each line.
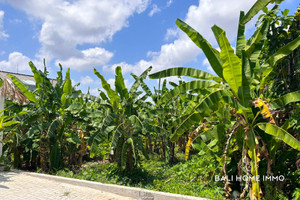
x,y
258,6
185,71
23,88
211,54
229,124
193,177
286,99
243,75
123,120
281,134
295,120
284,29
232,68
44,136
296,194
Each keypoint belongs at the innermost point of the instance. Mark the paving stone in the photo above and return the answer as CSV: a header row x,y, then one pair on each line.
x,y
19,186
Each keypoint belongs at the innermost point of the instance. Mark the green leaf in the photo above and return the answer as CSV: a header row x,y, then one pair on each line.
x,y
217,32
24,89
173,84
131,144
37,77
185,87
164,87
137,83
116,136
74,140
277,1
9,123
276,58
103,95
265,9
120,84
186,124
232,66
185,71
135,120
59,78
244,90
254,50
285,99
210,53
280,134
206,107
256,41
254,163
211,102
240,39
285,12
258,6
102,135
113,96
53,127
67,89
143,85
283,52
265,73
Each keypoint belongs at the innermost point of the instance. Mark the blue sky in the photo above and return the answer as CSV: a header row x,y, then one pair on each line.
x,y
134,34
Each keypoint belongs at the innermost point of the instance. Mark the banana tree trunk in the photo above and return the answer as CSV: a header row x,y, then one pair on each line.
x,y
43,153
172,151
163,149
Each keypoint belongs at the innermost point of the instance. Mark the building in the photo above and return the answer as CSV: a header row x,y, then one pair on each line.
x,y
26,79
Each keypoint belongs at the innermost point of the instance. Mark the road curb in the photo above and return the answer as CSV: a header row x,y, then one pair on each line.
x,y
136,193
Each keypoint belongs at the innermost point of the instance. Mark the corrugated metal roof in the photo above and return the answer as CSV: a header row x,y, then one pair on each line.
x,y
26,79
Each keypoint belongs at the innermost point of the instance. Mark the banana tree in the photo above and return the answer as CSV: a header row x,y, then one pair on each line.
x,y
159,116
45,130
240,83
284,28
121,122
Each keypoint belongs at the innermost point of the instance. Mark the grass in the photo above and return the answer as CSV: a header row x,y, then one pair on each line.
x,y
193,177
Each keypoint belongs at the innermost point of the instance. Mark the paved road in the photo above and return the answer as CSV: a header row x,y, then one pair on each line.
x,y
20,186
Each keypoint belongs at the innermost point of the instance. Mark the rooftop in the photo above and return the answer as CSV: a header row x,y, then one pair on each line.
x,y
25,78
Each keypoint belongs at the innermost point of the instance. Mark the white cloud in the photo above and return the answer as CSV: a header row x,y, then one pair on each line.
x,y
87,59
154,10
73,82
225,14
174,54
67,24
171,33
86,80
3,35
111,82
95,91
17,62
201,17
125,67
169,3
206,64
15,21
